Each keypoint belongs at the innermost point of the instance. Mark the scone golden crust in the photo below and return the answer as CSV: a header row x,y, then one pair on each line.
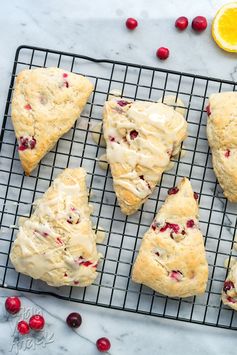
x,y
57,243
46,103
171,258
141,138
222,138
229,291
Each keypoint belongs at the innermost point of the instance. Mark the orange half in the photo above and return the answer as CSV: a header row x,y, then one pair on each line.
x,y
224,27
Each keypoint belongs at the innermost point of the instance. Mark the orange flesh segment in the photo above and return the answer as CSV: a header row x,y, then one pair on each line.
x,y
227,26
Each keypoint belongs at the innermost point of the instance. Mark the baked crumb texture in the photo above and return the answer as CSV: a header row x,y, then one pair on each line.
x,y
222,138
57,243
141,138
229,291
171,259
46,103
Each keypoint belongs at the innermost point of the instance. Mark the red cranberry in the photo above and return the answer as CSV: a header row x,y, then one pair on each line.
x,y
199,23
32,143
173,191
28,107
162,53
173,226
228,285
131,23
103,344
84,262
111,139
59,240
122,103
12,305
76,282
227,153
23,327
36,322
208,109
74,320
23,143
190,223
181,23
176,275
195,195
26,142
65,75
44,234
231,299
133,134
163,229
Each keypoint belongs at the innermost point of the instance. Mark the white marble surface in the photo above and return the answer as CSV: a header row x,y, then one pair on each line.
x,y
96,28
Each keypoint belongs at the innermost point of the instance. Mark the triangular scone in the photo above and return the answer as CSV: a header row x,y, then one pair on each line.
x,y
57,243
222,138
229,292
141,137
172,258
46,103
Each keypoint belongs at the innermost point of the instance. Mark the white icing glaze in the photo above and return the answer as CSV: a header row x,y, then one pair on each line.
x,y
114,92
138,190
177,103
58,231
160,131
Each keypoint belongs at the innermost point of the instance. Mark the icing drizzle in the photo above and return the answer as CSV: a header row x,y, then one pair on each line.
x,y
160,130
47,245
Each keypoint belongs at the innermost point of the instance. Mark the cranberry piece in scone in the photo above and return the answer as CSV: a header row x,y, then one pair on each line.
x,y
171,258
176,275
173,191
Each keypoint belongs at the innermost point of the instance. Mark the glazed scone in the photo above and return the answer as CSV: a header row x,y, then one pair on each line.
x,y
141,138
57,243
222,138
171,259
46,103
229,291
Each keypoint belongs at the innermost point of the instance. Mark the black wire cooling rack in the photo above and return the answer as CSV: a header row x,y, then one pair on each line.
x,y
114,287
